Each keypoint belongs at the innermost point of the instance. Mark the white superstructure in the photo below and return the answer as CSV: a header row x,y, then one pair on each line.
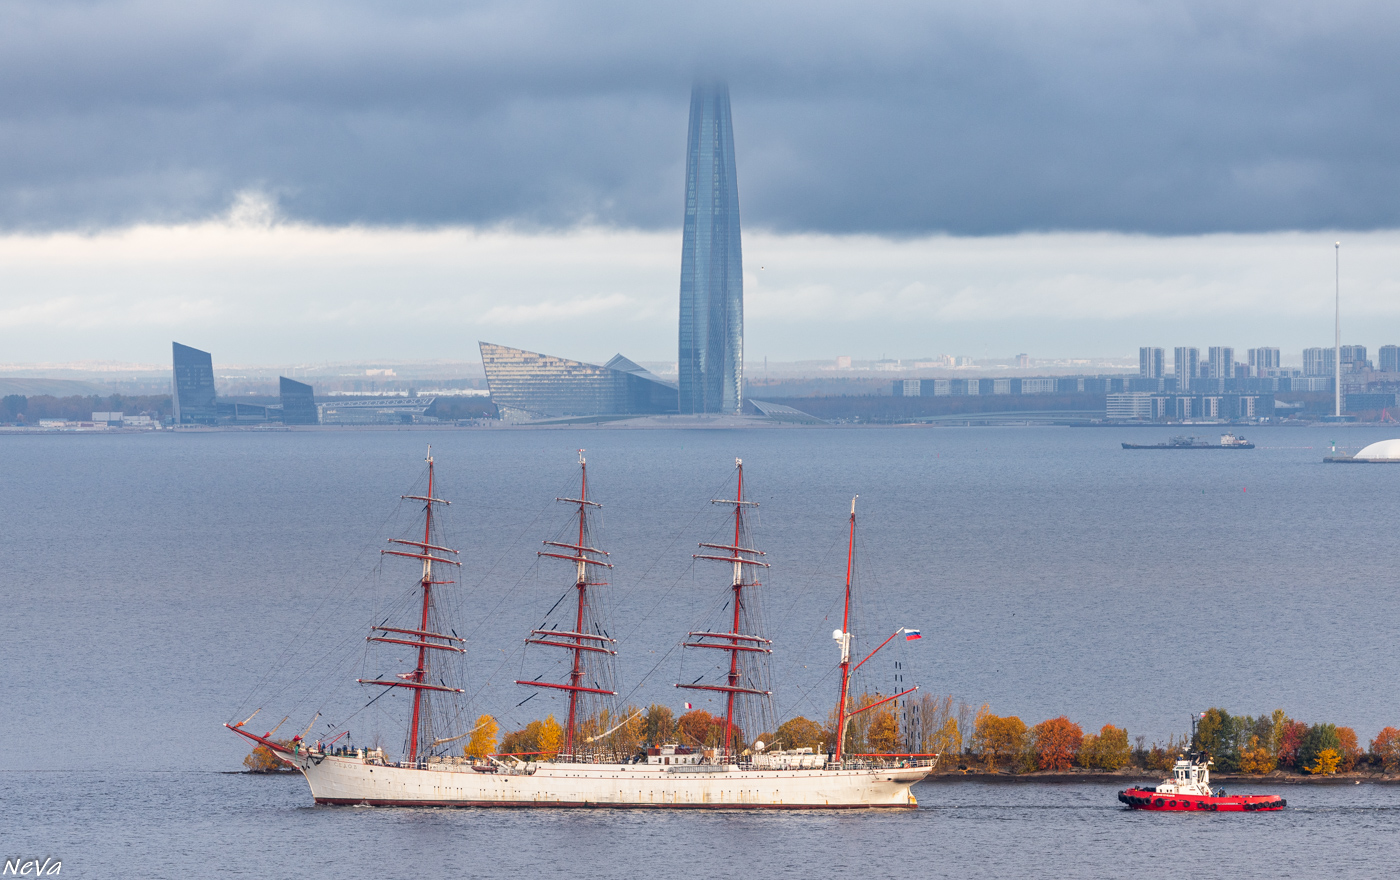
x,y
361,780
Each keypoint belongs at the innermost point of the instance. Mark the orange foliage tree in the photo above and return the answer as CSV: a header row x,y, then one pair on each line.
x,y
883,737
1056,743
1350,748
700,728
1386,749
995,738
1257,758
801,733
264,760
1108,750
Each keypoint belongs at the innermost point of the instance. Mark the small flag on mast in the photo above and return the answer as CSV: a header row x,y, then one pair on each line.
x,y
688,706
911,634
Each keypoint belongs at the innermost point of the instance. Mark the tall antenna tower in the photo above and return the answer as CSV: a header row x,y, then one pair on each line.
x,y
1337,380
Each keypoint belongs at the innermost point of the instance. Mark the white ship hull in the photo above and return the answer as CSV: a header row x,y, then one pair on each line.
x,y
351,780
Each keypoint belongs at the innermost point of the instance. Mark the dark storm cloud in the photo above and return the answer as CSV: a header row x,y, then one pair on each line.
x,y
890,118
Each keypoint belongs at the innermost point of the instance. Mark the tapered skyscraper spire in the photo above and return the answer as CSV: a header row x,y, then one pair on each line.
x,y
711,357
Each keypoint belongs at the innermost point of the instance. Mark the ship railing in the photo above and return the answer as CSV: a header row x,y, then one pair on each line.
x,y
883,761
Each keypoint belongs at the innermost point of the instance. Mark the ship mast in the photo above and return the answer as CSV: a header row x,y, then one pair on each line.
x,y
417,680
843,635
578,641
735,642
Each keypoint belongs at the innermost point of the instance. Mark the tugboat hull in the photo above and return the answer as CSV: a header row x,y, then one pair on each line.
x,y
1147,799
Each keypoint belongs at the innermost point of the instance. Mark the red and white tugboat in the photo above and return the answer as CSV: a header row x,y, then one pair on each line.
x,y
1189,790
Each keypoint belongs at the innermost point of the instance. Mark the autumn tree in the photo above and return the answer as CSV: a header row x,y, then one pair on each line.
x,y
700,728
1290,741
630,734
483,738
660,725
946,742
1385,748
1351,750
934,725
1106,750
551,739
996,739
1161,757
538,740
1326,762
883,737
1055,743
801,733
264,760
1257,758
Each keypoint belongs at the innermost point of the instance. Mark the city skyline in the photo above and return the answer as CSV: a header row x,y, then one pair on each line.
x,y
333,201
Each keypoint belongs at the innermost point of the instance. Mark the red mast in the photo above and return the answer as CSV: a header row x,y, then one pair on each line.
x,y
843,635
733,641
417,680
578,641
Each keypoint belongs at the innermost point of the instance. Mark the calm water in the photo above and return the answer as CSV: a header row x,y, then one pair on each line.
x,y
153,585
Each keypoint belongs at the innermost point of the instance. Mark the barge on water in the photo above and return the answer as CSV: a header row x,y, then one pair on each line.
x,y
1227,441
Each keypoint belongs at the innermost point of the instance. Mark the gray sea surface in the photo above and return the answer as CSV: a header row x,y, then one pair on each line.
x,y
156,586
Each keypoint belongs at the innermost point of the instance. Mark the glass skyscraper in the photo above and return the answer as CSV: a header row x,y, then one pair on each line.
x,y
193,400
298,402
711,357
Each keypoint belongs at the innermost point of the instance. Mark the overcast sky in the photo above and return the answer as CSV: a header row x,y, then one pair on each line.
x,y
865,126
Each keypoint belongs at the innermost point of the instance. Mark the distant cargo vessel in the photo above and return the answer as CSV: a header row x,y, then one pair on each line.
x,y
1227,441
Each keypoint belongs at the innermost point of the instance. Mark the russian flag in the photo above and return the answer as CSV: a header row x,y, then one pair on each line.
x,y
911,634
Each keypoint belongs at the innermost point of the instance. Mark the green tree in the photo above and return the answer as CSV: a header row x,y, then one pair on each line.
x,y
12,407
1216,736
1319,738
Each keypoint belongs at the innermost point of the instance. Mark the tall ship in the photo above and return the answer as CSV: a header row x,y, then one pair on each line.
x,y
730,774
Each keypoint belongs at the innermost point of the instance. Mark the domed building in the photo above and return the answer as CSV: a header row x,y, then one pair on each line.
x,y
1385,450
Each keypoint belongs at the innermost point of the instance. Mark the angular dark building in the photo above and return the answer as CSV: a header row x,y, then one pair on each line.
x,y
298,403
532,385
711,357
193,392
